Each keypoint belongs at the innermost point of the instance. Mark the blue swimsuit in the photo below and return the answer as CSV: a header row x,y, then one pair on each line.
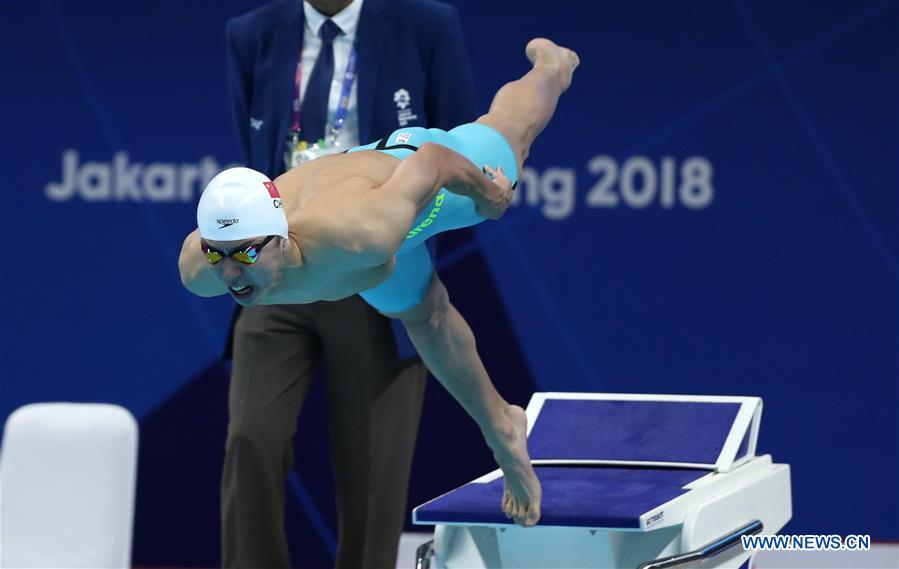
x,y
479,143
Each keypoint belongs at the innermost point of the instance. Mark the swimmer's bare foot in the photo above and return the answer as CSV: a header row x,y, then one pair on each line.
x,y
521,488
544,53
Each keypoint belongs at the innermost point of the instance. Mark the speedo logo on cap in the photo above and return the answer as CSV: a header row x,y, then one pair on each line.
x,y
227,222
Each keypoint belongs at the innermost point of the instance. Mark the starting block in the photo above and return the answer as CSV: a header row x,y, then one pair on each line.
x,y
648,481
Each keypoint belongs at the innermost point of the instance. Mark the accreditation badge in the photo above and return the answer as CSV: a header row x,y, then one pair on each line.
x,y
301,151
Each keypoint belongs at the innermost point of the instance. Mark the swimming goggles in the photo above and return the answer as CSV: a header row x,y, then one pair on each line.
x,y
247,256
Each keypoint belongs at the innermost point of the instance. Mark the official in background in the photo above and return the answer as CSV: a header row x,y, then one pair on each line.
x,y
306,79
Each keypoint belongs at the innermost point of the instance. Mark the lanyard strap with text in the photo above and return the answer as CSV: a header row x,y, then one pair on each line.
x,y
349,77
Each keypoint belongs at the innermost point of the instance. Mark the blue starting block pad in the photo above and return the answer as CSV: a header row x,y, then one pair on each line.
x,y
582,496
656,475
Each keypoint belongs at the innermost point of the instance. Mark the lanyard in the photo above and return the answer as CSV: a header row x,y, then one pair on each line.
x,y
349,76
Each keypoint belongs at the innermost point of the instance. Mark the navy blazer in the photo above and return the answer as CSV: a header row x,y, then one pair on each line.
x,y
416,45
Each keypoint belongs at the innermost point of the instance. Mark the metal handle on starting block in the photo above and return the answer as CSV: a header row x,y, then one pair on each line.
x,y
708,550
424,554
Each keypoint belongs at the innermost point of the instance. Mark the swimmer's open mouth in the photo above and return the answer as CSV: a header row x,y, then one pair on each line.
x,y
242,291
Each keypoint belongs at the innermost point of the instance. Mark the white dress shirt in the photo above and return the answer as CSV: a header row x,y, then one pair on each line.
x,y
348,21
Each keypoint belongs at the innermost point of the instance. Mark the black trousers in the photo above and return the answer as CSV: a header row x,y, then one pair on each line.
x,y
374,405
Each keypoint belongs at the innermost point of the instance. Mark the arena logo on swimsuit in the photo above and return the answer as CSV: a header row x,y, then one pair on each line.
x,y
430,219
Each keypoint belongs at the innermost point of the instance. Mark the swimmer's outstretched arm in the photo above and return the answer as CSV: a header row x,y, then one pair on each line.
x,y
419,177
397,202
195,273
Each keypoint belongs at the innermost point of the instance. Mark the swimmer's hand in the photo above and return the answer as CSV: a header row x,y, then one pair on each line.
x,y
491,190
498,177
495,208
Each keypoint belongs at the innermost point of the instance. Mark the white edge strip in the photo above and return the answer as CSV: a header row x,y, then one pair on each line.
x,y
533,411
552,462
740,427
489,477
645,397
512,525
756,422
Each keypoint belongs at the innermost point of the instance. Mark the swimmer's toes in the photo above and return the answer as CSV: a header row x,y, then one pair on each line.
x,y
539,48
574,59
530,50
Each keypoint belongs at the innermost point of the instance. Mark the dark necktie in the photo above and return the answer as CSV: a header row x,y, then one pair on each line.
x,y
314,110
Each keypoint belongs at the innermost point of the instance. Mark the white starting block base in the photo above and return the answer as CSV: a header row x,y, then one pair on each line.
x,y
548,547
880,556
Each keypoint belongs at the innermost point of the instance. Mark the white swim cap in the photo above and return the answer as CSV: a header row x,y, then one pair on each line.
x,y
240,203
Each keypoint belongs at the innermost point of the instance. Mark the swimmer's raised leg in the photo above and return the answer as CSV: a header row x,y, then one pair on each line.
x,y
521,109
446,344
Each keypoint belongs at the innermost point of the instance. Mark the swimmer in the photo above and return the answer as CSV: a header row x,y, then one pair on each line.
x,y
356,222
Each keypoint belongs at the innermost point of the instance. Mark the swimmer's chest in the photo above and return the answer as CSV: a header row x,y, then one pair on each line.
x,y
321,280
